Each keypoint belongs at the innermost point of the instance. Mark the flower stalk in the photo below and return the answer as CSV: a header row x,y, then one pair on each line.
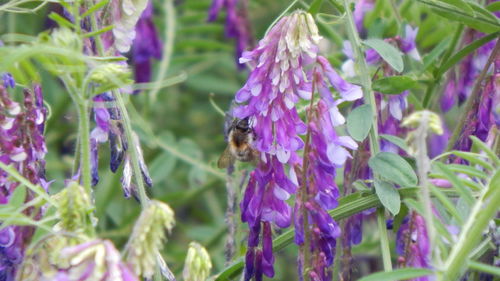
x,y
369,97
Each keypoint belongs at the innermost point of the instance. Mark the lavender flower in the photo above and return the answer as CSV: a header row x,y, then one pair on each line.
x,y
22,145
146,45
237,23
360,10
8,80
412,244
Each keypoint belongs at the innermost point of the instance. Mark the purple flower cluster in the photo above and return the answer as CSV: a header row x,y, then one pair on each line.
x,y
412,244
22,145
146,45
459,84
109,127
482,116
286,68
237,24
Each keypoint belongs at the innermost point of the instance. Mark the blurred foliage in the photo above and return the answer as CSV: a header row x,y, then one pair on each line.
x,y
182,133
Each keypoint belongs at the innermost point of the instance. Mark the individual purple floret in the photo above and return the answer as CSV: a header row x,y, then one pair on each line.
x,y
360,10
8,80
22,146
237,24
146,46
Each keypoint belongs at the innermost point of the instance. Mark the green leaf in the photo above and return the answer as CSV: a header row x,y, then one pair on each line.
x,y
95,8
61,21
388,52
393,85
397,274
393,168
465,52
388,195
461,188
481,145
396,140
315,6
460,4
479,266
493,7
18,197
433,55
359,122
481,19
162,166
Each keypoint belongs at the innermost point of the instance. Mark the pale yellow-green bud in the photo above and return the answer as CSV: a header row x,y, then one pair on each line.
x,y
111,75
73,208
65,38
417,118
197,265
148,237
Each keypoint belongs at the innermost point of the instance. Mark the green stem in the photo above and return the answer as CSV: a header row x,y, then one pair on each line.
x,y
167,48
423,168
473,100
369,96
483,211
430,90
84,134
134,144
395,10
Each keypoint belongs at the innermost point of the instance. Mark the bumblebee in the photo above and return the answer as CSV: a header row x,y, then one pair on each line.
x,y
240,137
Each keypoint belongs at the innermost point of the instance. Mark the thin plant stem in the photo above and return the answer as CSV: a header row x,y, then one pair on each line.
x,y
473,100
395,10
304,249
84,134
168,48
369,96
423,168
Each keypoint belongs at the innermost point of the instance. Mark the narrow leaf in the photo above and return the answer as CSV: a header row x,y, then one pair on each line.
x,y
461,188
465,52
396,140
393,168
393,85
388,195
388,52
359,122
397,274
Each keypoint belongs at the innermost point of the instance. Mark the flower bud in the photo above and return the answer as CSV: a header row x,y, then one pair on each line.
x,y
65,38
113,74
73,207
417,118
148,237
197,265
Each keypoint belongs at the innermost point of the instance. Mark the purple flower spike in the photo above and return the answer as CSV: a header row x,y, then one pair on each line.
x,y
147,45
237,24
22,145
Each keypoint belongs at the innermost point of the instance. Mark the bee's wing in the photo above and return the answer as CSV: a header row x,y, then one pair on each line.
x,y
226,159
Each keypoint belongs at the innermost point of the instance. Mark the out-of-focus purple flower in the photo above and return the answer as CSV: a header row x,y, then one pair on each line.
x,y
22,145
8,80
109,127
438,143
408,42
481,116
237,24
413,244
147,45
449,93
360,10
